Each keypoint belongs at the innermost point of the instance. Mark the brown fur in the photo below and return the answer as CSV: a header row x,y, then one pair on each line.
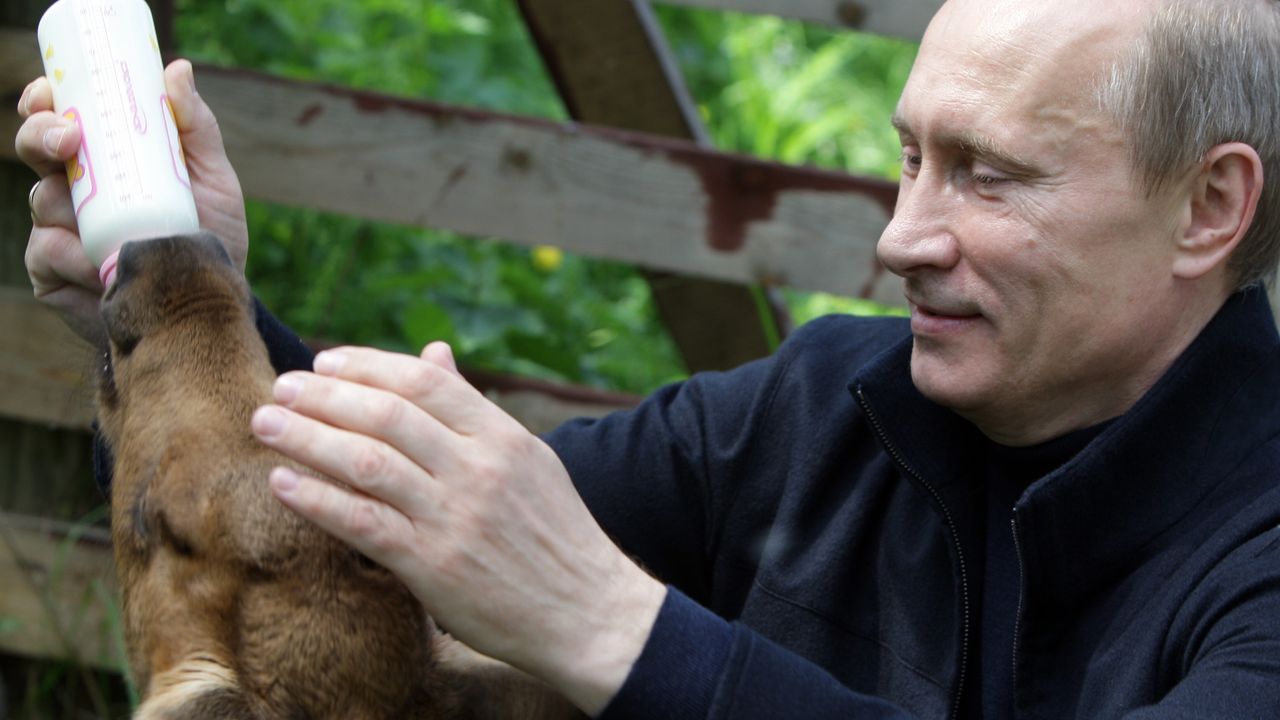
x,y
234,607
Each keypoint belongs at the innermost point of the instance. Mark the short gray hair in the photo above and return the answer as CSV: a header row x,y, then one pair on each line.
x,y
1206,72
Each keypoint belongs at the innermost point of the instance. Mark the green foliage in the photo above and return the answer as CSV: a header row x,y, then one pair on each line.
x,y
468,52
793,92
767,87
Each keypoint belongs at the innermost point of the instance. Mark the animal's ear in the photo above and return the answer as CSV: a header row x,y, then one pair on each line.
x,y
175,501
1220,208
211,245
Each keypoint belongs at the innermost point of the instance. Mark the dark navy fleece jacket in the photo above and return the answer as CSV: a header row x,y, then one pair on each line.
x,y
813,518
812,511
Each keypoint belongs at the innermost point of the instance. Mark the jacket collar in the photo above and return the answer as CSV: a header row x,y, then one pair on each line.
x,y
1149,469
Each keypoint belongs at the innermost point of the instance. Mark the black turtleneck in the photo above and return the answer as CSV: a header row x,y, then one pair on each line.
x,y
1002,474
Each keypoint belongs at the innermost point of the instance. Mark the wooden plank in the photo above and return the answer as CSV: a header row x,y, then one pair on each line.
x,y
899,18
610,64
46,371
59,592
660,204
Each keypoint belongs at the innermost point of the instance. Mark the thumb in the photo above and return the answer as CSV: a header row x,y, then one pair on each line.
x,y
197,126
441,354
219,198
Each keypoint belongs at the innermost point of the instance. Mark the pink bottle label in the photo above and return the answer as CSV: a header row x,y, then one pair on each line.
x,y
175,145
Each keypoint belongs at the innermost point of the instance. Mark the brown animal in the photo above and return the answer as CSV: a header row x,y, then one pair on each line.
x,y
234,607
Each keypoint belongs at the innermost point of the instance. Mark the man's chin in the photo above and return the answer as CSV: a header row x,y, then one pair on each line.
x,y
948,380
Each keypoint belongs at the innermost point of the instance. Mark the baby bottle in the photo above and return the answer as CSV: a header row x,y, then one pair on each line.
x,y
128,179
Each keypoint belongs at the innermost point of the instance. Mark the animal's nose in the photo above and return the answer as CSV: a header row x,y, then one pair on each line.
x,y
169,254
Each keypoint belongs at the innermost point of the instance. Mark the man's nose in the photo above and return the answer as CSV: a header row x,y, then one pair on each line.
x,y
921,235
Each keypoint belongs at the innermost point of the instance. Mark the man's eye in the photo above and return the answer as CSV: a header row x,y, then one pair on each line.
x,y
910,159
982,175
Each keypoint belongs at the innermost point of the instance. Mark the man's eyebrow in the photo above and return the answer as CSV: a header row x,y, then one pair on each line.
x,y
899,123
979,146
985,148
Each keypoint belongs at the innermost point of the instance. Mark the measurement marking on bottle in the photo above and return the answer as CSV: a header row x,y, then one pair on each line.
x,y
113,113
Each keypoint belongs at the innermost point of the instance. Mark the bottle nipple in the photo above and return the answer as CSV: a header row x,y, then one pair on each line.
x,y
107,274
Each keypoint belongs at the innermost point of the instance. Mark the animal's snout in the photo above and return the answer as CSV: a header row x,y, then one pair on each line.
x,y
179,253
185,281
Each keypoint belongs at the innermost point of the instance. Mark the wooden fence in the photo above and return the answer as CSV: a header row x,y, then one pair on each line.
x,y
631,179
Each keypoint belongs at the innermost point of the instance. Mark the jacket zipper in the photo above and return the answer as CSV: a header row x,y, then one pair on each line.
x,y
1017,617
955,540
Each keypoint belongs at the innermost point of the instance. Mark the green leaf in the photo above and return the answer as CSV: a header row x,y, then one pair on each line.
x,y
427,322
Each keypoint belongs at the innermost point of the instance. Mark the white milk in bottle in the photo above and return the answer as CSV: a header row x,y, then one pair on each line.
x,y
128,179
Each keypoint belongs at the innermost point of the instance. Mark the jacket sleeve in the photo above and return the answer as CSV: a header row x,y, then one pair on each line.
x,y
660,478
286,351
1228,659
696,665
646,472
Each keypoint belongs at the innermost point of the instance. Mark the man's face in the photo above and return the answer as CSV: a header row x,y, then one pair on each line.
x,y
1036,268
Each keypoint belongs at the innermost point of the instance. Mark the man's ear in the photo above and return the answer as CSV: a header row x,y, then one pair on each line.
x,y
1222,200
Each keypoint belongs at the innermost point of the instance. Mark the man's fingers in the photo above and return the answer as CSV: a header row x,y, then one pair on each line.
x,y
366,464
371,527
430,386
37,96
441,354
51,202
55,258
214,183
371,412
45,142
78,308
196,122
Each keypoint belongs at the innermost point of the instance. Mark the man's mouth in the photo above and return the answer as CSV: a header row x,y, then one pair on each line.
x,y
942,318
945,312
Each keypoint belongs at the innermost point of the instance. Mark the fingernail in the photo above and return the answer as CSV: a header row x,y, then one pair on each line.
x,y
330,362
287,388
53,138
283,480
268,422
22,101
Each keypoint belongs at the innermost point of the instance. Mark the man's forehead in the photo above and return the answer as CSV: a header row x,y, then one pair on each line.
x,y
1013,36
995,19
997,64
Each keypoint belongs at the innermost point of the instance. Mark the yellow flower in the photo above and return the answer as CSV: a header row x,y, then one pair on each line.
x,y
547,258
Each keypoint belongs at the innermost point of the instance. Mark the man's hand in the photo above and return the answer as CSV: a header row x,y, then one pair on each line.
x,y
61,274
476,515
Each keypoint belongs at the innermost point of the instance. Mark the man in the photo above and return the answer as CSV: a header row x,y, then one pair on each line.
x,y
1052,495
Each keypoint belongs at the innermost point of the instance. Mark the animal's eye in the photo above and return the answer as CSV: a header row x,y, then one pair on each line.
x,y
126,345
